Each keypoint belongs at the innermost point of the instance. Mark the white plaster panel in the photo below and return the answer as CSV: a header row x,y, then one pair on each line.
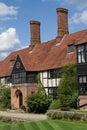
x,y
45,74
58,80
41,76
45,82
53,82
50,83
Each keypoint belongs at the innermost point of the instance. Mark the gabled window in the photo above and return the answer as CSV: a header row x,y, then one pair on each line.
x,y
70,48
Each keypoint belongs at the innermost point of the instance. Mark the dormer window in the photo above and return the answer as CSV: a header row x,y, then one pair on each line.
x,y
12,63
71,48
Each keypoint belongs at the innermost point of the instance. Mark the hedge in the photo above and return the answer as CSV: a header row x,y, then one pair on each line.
x,y
67,115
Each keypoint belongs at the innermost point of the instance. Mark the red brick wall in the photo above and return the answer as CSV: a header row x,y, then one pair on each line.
x,y
82,101
26,89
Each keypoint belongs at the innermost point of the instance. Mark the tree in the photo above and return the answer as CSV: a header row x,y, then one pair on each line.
x,y
67,89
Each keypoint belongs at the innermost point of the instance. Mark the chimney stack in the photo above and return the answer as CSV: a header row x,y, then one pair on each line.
x,y
62,15
35,33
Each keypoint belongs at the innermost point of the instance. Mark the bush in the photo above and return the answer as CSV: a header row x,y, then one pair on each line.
x,y
5,98
38,103
55,105
23,108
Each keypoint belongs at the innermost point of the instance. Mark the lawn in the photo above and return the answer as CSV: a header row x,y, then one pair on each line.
x,y
45,125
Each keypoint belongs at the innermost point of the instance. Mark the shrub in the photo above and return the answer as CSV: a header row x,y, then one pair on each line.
x,y
5,98
38,103
55,104
23,108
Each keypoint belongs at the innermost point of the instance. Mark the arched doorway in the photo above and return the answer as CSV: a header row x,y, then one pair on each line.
x,y
19,96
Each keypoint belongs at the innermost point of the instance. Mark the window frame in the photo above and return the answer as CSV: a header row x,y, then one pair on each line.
x,y
82,53
71,48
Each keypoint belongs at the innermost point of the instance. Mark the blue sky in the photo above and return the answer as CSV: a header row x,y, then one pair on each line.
x,y
16,14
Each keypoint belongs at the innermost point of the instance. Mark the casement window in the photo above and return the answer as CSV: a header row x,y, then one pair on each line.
x,y
71,48
82,79
32,77
8,79
52,91
82,84
53,74
82,53
12,62
18,78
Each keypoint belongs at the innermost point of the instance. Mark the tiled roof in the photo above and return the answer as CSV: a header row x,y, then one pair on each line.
x,y
48,55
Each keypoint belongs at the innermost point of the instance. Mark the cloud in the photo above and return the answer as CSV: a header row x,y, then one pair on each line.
x,y
8,18
79,18
9,41
7,12
80,4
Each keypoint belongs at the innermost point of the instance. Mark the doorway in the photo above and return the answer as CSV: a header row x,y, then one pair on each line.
x,y
19,97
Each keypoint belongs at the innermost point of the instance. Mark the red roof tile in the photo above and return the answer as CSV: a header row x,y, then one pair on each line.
x,y
48,55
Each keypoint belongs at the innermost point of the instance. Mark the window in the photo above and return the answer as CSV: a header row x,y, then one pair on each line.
x,y
53,73
82,53
19,77
32,77
82,79
70,48
52,91
82,84
12,63
8,80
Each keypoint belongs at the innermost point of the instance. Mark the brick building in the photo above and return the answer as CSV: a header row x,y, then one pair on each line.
x,y
20,68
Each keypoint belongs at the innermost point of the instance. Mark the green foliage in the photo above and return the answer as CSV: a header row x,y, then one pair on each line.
x,y
67,89
5,98
67,115
41,89
55,104
38,102
23,107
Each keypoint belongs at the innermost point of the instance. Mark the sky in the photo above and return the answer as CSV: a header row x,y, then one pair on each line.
x,y
15,16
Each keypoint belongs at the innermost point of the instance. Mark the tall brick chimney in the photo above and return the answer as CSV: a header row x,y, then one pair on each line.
x,y
35,33
62,15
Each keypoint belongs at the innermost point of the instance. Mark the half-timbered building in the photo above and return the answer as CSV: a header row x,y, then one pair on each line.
x,y
19,69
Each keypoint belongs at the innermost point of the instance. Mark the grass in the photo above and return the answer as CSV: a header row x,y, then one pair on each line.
x,y
45,125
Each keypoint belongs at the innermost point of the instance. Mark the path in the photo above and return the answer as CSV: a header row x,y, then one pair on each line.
x,y
24,116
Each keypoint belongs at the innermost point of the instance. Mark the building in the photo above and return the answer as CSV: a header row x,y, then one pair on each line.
x,y
20,68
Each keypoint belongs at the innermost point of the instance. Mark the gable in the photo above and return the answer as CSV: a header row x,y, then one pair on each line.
x,y
18,66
